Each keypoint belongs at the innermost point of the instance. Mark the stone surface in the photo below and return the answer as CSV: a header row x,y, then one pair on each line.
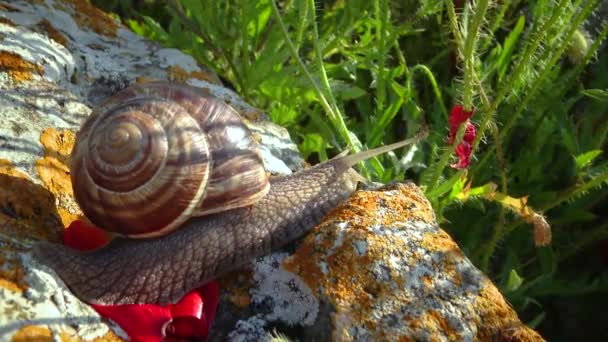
x,y
377,268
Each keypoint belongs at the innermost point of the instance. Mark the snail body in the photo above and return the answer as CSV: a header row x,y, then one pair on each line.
x,y
161,266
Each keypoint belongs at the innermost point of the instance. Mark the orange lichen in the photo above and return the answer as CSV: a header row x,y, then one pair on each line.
x,y
33,333
499,318
109,337
55,174
9,285
85,14
18,68
26,209
37,333
206,75
409,204
349,284
177,74
145,79
52,32
11,274
356,280
58,144
439,325
236,285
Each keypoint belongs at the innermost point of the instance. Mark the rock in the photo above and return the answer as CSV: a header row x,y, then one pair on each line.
x,y
377,268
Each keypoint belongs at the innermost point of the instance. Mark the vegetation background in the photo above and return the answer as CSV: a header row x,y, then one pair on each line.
x,y
529,209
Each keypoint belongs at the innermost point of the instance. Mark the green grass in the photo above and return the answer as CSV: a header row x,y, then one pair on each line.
x,y
377,71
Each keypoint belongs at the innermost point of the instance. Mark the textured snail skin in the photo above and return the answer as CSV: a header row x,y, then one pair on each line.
x,y
162,270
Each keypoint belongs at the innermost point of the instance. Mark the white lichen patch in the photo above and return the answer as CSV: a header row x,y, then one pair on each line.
x,y
339,240
249,330
55,60
278,142
170,57
24,114
48,302
284,296
360,247
273,164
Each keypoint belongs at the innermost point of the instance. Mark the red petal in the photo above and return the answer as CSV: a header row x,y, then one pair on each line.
x,y
81,236
191,317
463,152
190,305
142,322
469,133
211,296
458,116
189,324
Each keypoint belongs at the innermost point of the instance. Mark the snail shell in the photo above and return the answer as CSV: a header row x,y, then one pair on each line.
x,y
155,154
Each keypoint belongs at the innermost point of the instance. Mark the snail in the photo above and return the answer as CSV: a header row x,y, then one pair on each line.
x,y
178,179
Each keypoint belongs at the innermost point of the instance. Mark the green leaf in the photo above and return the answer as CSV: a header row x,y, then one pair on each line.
x,y
584,159
313,143
195,8
428,7
346,91
483,190
598,94
282,114
157,32
509,46
259,13
445,186
458,188
514,281
536,320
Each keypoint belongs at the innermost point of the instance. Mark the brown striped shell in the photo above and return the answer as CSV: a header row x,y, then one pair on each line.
x,y
155,154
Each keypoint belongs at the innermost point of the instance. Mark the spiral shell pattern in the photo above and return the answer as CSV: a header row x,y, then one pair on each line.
x,y
155,154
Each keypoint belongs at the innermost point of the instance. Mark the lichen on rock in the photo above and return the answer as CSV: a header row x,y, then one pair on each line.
x,y
390,272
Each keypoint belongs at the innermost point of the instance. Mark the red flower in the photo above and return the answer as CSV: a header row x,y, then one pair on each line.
x,y
464,150
190,317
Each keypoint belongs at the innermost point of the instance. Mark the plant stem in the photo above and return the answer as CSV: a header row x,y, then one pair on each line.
x,y
445,157
469,53
515,74
177,10
334,116
381,13
429,74
454,26
539,80
577,190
